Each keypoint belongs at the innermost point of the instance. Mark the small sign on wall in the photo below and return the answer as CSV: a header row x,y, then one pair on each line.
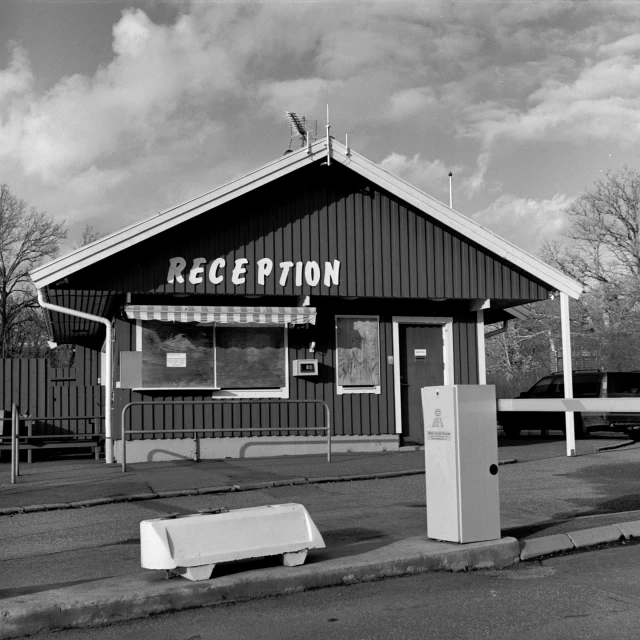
x,y
176,359
420,354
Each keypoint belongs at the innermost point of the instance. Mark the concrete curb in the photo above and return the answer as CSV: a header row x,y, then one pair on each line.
x,y
179,493
583,538
118,599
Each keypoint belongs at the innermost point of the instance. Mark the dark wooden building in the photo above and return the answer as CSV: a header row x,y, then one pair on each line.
x,y
317,277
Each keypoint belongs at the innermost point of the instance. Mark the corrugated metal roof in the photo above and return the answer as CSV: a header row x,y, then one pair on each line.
x,y
69,329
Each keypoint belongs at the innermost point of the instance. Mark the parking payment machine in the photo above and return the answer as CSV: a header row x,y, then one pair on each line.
x,y
461,462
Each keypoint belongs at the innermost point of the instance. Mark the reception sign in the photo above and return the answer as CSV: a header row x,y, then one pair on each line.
x,y
309,272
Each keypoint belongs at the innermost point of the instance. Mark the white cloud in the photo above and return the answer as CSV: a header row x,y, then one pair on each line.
x,y
524,221
624,46
18,77
601,102
407,103
302,96
138,101
176,102
475,182
429,175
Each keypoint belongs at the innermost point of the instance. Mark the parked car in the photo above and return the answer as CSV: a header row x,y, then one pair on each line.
x,y
586,384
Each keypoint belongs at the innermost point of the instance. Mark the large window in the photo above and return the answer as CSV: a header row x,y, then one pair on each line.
x,y
248,360
357,354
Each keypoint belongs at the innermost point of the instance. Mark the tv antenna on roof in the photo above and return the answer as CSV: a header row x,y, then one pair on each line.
x,y
301,128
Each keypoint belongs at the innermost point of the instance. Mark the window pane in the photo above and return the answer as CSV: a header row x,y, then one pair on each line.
x,y
358,352
176,354
586,385
250,358
624,383
540,387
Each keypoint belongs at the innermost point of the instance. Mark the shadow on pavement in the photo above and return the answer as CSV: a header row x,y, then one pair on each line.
x,y
341,543
22,591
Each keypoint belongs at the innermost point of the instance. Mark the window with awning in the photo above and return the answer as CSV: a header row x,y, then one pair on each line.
x,y
240,349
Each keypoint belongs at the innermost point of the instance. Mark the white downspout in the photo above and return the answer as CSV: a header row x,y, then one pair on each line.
x,y
108,387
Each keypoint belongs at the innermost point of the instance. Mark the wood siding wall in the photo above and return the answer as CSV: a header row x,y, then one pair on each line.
x,y
43,391
354,414
386,247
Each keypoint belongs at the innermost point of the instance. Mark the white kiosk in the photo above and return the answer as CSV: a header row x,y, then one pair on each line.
x,y
461,462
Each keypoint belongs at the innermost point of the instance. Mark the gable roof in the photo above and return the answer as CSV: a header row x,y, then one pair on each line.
x,y
337,152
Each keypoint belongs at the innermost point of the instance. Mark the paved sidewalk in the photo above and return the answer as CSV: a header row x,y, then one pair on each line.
x,y
551,504
82,482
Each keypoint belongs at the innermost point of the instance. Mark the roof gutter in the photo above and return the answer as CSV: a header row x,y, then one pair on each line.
x,y
108,386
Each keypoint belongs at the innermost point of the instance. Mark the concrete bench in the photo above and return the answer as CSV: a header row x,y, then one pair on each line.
x,y
192,545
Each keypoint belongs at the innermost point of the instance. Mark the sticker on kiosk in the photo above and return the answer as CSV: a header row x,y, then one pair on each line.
x,y
437,431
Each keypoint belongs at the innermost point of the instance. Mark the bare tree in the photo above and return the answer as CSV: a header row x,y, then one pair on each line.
x,y
89,234
602,250
27,236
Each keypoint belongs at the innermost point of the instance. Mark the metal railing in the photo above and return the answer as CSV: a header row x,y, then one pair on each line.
x,y
126,432
16,418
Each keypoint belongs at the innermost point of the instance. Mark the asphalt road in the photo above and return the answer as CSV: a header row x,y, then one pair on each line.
x,y
64,547
591,596
532,446
56,548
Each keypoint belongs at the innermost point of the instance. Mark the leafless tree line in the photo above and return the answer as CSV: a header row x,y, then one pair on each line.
x,y
28,237
600,247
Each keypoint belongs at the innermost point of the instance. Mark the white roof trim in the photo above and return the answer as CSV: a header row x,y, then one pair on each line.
x,y
61,267
456,221
104,247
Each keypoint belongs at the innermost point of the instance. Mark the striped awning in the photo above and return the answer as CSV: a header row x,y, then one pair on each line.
x,y
223,315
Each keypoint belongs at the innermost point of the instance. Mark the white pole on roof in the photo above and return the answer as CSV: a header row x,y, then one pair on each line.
x,y
328,139
567,372
450,191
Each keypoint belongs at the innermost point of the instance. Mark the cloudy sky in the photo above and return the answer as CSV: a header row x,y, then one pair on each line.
x,y
112,111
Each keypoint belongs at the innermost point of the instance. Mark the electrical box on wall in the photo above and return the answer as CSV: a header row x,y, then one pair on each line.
x,y
305,367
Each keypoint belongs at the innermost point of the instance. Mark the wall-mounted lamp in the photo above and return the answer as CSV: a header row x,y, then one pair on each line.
x,y
312,346
51,344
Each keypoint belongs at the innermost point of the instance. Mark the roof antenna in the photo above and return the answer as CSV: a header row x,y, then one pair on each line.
x,y
450,191
300,129
328,139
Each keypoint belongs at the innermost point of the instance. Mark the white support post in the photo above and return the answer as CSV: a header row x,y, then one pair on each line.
x,y
328,139
567,372
482,363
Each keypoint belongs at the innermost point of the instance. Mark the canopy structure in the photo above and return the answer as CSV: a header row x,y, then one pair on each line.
x,y
222,315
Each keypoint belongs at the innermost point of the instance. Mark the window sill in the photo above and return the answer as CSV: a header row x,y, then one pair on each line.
x,y
342,391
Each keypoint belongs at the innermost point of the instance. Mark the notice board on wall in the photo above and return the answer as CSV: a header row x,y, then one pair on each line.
x,y
358,352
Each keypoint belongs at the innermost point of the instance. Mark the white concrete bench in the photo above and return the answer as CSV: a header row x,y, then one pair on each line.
x,y
192,545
